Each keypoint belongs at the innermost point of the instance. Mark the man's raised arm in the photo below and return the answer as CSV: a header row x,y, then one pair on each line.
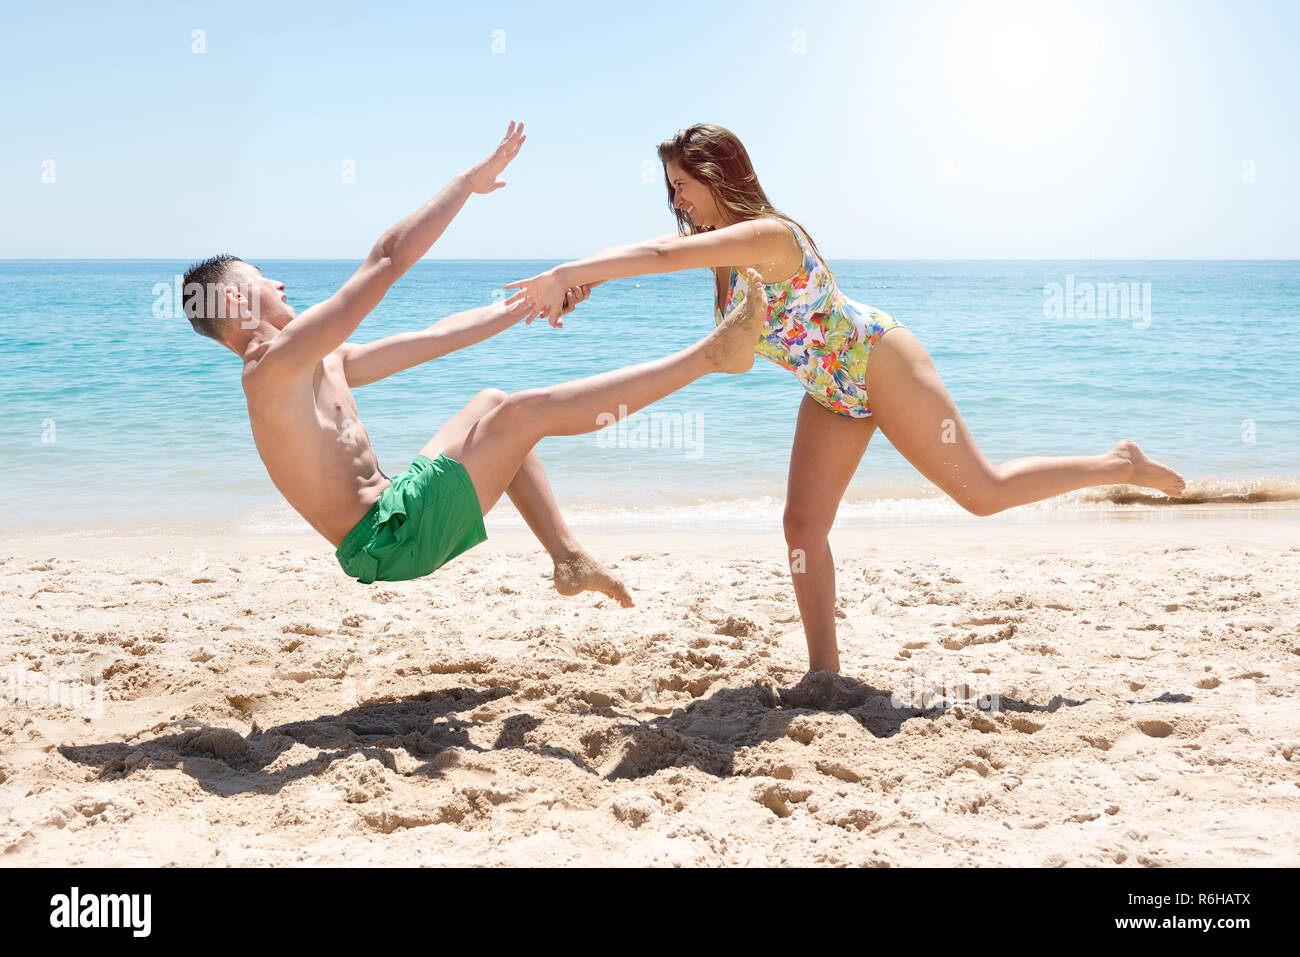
x,y
325,326
364,363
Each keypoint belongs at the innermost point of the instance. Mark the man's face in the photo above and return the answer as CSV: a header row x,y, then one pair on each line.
x,y
261,299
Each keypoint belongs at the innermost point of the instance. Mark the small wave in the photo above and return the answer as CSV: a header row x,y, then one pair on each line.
x,y
927,504
1203,491
758,510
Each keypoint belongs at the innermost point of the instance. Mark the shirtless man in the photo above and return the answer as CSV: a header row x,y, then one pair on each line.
x,y
299,371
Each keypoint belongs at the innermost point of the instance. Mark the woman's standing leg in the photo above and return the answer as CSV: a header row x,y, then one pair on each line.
x,y
826,452
914,410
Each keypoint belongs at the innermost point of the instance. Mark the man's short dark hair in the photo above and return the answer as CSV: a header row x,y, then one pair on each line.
x,y
203,303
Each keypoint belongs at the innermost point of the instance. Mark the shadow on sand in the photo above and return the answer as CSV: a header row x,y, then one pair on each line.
x,y
706,734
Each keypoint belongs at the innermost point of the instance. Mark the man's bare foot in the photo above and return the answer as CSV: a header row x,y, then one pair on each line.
x,y
731,346
1146,472
580,572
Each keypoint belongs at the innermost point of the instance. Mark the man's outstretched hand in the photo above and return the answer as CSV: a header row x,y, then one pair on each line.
x,y
573,296
483,175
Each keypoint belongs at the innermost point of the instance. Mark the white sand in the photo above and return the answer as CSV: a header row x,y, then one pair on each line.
x,y
240,701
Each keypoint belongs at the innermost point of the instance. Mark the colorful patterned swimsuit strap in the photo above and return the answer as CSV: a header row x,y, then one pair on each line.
x,y
805,253
800,276
805,266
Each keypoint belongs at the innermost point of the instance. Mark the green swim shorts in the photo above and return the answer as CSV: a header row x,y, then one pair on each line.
x,y
428,516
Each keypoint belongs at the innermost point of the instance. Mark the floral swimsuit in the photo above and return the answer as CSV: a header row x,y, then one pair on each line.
x,y
818,333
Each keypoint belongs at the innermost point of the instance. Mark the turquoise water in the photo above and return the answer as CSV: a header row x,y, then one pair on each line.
x,y
118,419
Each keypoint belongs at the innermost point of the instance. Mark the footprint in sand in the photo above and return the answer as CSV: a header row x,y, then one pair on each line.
x,y
778,797
1156,728
305,628
1027,725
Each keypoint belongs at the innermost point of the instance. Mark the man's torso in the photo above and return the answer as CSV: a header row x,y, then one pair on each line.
x,y
314,446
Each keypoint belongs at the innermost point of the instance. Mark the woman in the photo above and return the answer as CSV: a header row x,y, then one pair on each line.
x,y
842,352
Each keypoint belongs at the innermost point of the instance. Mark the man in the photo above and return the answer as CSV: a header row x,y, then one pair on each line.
x,y
299,372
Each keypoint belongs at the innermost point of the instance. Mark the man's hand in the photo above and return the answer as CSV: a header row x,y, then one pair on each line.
x,y
572,297
324,327
483,175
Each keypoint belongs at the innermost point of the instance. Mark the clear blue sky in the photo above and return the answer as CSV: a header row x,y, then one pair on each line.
x,y
930,130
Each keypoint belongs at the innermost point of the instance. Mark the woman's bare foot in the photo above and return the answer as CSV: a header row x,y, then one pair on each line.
x,y
825,691
1146,472
731,346
580,572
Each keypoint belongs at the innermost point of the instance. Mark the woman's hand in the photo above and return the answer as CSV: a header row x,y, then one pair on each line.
x,y
542,295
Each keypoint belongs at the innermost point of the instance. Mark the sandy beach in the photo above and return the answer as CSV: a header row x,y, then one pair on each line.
x,y
1036,694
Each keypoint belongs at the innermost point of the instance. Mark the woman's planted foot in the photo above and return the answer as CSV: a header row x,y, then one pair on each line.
x,y
1147,472
825,691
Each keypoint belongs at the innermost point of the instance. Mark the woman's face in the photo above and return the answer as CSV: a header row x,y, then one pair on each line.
x,y
692,197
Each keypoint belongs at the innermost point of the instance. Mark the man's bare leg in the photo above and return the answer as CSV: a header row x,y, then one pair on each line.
x,y
494,448
575,569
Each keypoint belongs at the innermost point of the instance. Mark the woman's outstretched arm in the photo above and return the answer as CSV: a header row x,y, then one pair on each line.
x,y
761,243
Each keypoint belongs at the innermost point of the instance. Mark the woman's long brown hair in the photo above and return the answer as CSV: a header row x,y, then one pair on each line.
x,y
716,157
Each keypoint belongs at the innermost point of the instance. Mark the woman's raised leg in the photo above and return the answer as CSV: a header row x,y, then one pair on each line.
x,y
915,412
826,452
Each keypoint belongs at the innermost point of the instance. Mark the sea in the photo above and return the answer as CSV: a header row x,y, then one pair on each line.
x,y
120,420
